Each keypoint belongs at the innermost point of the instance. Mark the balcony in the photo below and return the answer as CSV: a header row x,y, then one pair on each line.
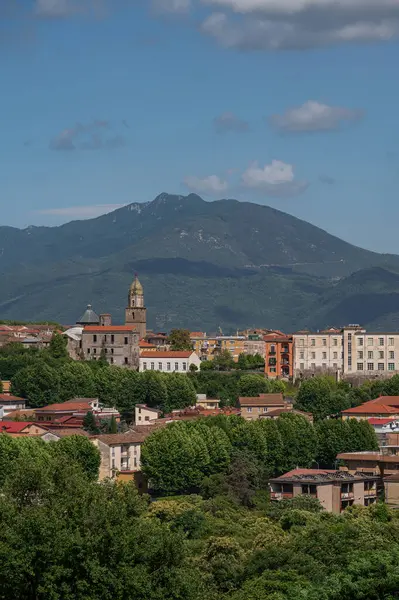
x,y
370,493
347,495
281,495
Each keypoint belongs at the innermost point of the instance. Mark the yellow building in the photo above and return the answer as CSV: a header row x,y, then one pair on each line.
x,y
207,347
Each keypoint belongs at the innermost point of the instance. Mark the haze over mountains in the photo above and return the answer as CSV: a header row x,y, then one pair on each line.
x,y
203,265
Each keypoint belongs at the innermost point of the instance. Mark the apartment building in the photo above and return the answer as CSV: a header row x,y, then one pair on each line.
x,y
278,356
168,362
253,408
320,352
207,347
370,354
336,490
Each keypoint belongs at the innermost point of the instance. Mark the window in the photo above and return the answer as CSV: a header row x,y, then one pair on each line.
x,y
152,366
135,462
359,366
111,361
272,349
106,350
391,354
176,366
112,338
391,366
249,409
335,342
370,366
94,339
168,366
370,354
324,356
313,366
126,341
265,409
105,338
160,366
335,354
369,341
360,354
381,366
335,366
94,350
88,350
184,366
302,366
349,336
360,341
324,366
324,342
381,354
313,342
313,355
144,366
391,341
126,360
349,361
380,341
301,342
301,355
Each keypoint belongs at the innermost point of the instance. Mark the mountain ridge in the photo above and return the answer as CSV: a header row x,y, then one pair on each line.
x,y
203,264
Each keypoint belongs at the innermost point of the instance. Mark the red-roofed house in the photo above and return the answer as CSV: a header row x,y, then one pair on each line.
x,y
21,427
168,362
382,407
72,413
9,403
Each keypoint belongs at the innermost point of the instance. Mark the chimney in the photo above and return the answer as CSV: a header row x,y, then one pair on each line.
x,y
105,320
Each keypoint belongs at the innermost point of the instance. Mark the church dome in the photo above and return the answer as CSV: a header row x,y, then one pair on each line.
x,y
89,317
136,288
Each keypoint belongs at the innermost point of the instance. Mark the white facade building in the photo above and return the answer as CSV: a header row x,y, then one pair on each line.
x,y
168,362
318,352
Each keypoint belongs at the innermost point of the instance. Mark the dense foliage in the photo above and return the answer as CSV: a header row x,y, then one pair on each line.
x,y
65,537
185,456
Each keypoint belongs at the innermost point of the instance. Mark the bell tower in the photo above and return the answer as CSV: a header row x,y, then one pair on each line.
x,y
135,313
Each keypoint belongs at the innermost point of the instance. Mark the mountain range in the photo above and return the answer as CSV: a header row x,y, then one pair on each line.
x,y
204,265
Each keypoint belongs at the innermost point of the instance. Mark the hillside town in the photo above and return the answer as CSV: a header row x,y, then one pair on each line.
x,y
273,369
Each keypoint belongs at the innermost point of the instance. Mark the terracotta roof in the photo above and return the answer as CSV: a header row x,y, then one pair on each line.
x,y
14,426
109,328
262,400
70,406
67,432
22,414
144,344
295,472
376,421
197,334
117,439
170,354
371,408
368,456
10,398
387,400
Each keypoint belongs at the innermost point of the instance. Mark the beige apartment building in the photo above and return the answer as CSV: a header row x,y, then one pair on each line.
x,y
120,453
370,354
318,352
336,490
253,408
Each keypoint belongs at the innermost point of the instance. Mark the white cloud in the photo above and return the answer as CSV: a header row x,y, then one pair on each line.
x,y
300,24
229,122
276,179
80,212
208,185
314,116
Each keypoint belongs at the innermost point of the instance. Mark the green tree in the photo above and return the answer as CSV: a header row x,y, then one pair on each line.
x,y
299,441
180,391
333,437
90,424
223,361
76,381
315,396
58,346
253,385
218,446
39,383
179,339
82,451
113,426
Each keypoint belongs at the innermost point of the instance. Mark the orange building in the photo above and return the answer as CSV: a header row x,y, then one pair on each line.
x,y
278,356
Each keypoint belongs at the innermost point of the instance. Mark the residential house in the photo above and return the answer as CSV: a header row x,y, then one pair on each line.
x,y
391,489
144,415
254,344
207,403
168,362
383,407
278,356
336,490
10,403
253,407
207,347
370,462
72,412
19,428
120,455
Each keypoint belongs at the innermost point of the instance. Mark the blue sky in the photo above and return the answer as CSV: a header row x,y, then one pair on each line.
x,y
290,103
